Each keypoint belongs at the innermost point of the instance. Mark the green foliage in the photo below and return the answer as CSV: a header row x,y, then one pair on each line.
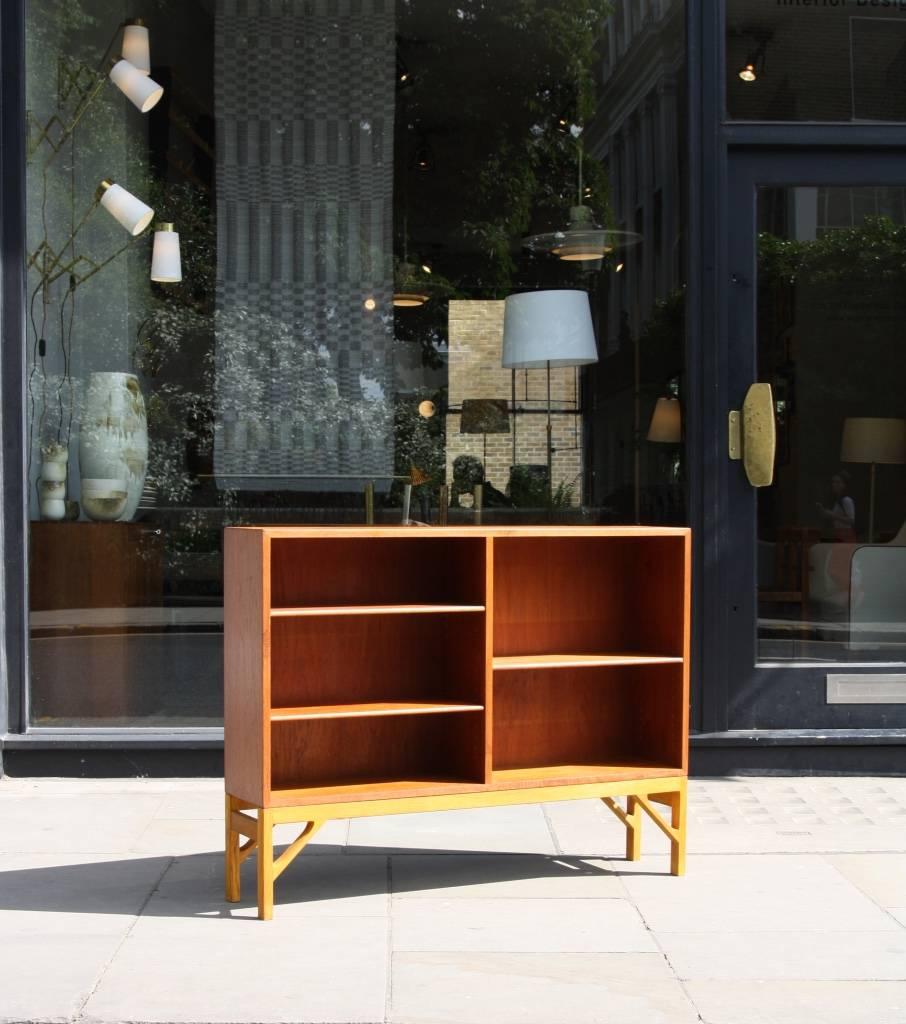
x,y
873,253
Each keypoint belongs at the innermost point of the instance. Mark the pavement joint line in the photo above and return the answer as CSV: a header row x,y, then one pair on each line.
x,y
657,943
550,827
887,910
80,1013
388,988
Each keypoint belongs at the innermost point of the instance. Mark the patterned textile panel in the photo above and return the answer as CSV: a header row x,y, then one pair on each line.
x,y
305,93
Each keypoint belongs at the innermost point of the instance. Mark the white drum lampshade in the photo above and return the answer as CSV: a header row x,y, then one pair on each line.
x,y
548,328
666,425
131,212
874,439
136,85
166,266
136,47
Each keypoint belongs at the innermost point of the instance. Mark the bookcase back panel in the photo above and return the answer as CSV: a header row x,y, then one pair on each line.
x,y
614,715
327,752
384,570
588,595
356,658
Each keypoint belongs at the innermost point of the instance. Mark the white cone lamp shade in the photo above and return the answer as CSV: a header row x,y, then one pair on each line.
x,y
666,425
136,85
166,265
548,328
136,47
131,212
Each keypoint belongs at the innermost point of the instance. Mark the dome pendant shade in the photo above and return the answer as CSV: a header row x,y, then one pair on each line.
x,y
409,286
142,91
548,328
166,265
136,48
582,239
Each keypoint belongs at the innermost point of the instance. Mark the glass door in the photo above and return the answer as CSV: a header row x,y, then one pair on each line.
x,y
816,573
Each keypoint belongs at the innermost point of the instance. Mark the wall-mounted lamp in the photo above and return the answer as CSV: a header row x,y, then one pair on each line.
x,y
136,85
755,60
136,46
130,211
166,264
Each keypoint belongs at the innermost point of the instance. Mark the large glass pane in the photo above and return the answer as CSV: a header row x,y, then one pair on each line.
x,y
357,186
832,529
815,60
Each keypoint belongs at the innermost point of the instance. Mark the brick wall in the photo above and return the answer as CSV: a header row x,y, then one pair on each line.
x,y
476,342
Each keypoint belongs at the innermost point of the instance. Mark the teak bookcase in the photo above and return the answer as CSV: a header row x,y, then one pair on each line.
x,y
382,670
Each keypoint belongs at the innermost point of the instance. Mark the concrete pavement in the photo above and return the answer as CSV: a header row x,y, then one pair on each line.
x,y
793,910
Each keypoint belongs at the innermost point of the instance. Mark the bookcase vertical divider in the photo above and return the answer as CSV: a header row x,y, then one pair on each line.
x,y
489,658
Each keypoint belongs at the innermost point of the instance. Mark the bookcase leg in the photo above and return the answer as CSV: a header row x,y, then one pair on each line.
x,y
632,819
633,829
678,841
265,864
231,866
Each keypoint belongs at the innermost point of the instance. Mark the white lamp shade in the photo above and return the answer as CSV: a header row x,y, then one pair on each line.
x,y
166,266
873,439
143,91
136,48
548,327
666,424
131,212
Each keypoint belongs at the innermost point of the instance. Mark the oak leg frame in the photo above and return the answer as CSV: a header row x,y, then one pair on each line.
x,y
259,832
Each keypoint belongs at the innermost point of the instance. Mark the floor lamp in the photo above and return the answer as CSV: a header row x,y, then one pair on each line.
x,y
547,329
875,441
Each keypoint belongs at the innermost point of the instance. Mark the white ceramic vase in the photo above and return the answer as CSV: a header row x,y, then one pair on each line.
x,y
113,444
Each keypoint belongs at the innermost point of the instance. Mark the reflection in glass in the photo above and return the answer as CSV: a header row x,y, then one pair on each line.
x,y
822,61
832,529
351,198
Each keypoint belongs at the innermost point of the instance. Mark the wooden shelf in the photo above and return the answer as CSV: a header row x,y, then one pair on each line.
x,y
368,710
374,789
535,661
576,774
377,609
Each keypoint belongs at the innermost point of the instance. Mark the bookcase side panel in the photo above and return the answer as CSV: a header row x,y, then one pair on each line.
x,y
246,656
489,658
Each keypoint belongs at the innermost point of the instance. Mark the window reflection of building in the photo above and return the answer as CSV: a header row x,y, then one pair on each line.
x,y
639,136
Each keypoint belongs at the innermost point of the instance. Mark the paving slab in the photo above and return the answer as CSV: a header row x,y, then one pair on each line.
x,y
514,829
524,876
327,886
181,971
74,822
743,893
882,877
518,926
795,1002
533,988
586,828
762,956
62,918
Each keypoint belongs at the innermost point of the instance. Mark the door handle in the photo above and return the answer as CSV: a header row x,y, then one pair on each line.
x,y
753,435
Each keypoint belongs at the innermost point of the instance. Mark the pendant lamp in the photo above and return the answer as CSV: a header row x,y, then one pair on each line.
x,y
582,239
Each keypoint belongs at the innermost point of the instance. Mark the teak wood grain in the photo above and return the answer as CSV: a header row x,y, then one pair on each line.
x,y
572,665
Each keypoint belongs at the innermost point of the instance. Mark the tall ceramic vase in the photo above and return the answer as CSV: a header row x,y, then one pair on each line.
x,y
113,445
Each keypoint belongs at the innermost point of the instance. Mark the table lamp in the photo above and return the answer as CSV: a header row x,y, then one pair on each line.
x,y
666,425
876,441
544,329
